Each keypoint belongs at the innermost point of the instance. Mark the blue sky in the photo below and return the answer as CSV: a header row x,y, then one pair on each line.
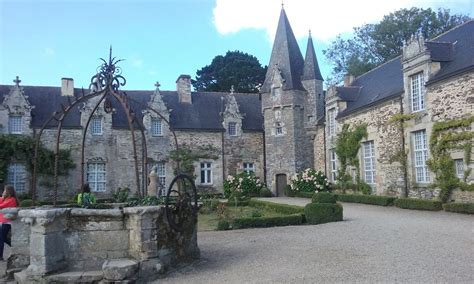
x,y
43,41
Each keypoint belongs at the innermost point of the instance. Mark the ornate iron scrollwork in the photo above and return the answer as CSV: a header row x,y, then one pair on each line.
x,y
181,202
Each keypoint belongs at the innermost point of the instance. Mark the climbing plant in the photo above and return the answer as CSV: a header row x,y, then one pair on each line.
x,y
186,156
347,149
21,148
445,137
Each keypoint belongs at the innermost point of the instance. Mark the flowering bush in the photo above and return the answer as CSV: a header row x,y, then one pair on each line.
x,y
244,184
310,180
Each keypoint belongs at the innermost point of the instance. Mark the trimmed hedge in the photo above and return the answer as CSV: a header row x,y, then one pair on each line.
x,y
279,208
465,208
323,197
418,204
319,213
262,222
366,199
303,194
234,203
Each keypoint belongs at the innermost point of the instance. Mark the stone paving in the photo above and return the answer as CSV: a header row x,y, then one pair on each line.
x,y
372,244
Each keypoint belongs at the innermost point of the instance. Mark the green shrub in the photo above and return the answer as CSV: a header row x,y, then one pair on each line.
x,y
265,192
466,208
210,205
323,197
26,203
310,180
288,191
319,213
245,183
223,225
261,222
419,204
366,199
365,188
304,194
255,214
121,195
279,208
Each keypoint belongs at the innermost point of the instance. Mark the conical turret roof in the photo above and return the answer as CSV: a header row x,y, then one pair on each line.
x,y
286,56
311,67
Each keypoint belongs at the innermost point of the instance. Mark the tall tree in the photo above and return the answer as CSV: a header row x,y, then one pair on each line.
x,y
374,44
235,68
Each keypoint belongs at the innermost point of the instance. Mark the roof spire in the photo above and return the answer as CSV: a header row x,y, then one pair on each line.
x,y
311,67
17,81
286,58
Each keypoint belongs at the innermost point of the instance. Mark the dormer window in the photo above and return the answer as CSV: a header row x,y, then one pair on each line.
x,y
96,125
15,124
156,127
332,122
417,92
278,129
232,128
276,92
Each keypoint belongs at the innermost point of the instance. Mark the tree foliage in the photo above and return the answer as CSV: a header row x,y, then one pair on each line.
x,y
374,44
235,68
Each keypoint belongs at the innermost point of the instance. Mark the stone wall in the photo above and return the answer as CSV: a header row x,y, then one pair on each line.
x,y
319,150
56,241
387,142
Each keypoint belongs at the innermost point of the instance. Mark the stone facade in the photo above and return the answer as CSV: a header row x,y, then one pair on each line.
x,y
423,91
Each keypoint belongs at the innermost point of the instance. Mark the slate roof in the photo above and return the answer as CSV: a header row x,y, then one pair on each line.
x,y
311,66
286,56
462,40
379,84
203,114
454,49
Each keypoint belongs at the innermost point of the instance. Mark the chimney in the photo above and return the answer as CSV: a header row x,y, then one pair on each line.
x,y
67,87
183,86
348,79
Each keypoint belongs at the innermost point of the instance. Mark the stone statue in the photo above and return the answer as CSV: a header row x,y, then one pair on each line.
x,y
152,186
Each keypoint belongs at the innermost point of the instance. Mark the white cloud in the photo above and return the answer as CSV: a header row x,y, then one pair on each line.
x,y
326,19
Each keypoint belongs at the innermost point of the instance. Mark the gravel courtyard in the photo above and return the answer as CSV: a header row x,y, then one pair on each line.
x,y
372,244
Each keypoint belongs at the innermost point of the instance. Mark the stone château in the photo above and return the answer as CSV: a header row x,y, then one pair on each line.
x,y
291,125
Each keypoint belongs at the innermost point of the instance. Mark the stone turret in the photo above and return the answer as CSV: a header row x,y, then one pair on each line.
x,y
313,83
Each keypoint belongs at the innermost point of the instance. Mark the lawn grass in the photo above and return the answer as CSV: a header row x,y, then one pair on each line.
x,y
208,221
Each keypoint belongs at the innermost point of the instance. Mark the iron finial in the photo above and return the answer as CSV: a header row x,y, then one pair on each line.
x,y
17,81
282,4
309,32
232,89
110,55
157,84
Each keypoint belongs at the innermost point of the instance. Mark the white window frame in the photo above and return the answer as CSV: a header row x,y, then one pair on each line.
x,y
278,129
248,167
15,124
156,127
420,156
232,128
17,176
332,122
161,173
206,173
96,125
333,160
368,154
417,92
96,176
459,165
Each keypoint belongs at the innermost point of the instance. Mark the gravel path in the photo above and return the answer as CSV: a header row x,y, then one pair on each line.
x,y
372,244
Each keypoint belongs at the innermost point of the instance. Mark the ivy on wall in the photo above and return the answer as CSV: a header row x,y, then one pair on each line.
x,y
21,148
187,156
445,137
347,149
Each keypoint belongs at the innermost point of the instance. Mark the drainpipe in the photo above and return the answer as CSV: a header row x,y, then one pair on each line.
x,y
405,170
222,142
264,159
